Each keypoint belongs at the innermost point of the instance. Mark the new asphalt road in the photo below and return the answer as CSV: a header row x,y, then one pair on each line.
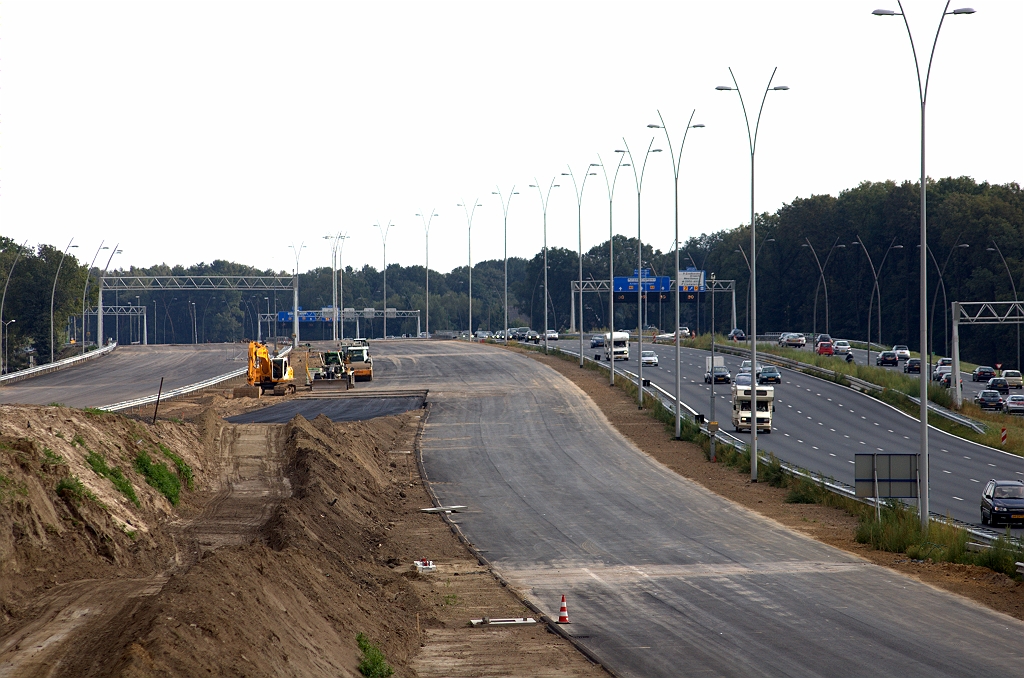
x,y
129,372
662,577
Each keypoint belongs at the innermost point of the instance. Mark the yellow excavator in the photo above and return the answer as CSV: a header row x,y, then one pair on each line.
x,y
269,374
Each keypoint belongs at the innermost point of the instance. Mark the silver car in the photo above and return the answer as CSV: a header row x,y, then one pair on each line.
x,y
1014,404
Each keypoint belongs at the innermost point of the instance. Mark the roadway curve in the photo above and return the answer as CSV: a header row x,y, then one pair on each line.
x,y
127,373
663,577
820,426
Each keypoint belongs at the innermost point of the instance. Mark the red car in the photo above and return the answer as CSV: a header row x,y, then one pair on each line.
x,y
825,348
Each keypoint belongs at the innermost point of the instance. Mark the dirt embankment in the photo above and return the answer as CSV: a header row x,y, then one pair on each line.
x,y
294,539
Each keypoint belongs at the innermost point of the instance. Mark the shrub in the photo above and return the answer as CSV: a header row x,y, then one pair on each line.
x,y
772,472
898,529
373,664
71,487
159,476
114,475
184,470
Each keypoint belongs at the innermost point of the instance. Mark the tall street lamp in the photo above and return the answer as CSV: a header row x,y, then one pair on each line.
x,y
579,233
266,299
638,179
677,160
54,292
337,244
426,231
544,199
752,140
99,298
469,244
504,209
876,289
295,297
85,291
749,276
945,301
610,186
922,92
6,340
17,255
821,280
995,248
384,241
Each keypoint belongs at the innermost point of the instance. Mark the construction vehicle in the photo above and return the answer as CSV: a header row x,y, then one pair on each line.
x,y
269,374
741,407
357,357
332,373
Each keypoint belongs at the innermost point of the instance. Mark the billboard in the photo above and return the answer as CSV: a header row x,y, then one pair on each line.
x,y
691,280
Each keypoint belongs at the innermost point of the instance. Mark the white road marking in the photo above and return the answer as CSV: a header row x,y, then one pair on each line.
x,y
832,429
831,455
799,441
966,457
813,447
957,498
849,461
945,471
974,481
992,465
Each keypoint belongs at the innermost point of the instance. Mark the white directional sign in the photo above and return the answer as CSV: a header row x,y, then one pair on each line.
x,y
691,280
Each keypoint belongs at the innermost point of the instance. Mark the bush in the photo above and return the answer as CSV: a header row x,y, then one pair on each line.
x,y
71,487
373,664
159,476
184,470
805,491
898,529
772,472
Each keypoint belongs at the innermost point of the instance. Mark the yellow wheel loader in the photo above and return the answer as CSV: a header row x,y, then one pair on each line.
x,y
269,374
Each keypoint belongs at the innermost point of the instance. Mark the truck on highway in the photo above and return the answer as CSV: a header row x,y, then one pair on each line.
x,y
616,346
741,414
357,357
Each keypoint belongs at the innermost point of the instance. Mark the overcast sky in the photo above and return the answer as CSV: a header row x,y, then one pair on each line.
x,y
195,131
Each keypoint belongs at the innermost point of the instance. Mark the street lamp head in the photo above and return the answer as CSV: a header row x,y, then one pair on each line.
x,y
990,249
655,150
74,247
884,12
595,164
770,240
626,164
592,174
964,10
566,174
699,124
724,88
656,127
515,192
804,245
619,151
494,193
963,244
534,186
780,88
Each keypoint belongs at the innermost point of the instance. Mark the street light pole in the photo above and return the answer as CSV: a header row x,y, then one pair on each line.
x,y
295,296
995,248
821,280
384,240
750,277
6,339
752,140
610,186
99,299
504,208
54,292
638,179
426,230
469,244
544,199
876,289
3,299
579,233
335,297
85,291
676,162
945,300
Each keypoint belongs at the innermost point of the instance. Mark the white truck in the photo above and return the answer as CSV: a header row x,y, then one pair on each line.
x,y
741,407
616,346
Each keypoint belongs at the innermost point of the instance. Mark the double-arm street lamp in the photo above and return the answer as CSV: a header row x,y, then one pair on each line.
x,y
638,179
579,233
752,141
945,301
504,209
85,291
54,292
384,241
337,245
821,280
426,232
995,248
750,276
922,91
544,199
469,244
3,298
610,185
677,159
6,340
876,289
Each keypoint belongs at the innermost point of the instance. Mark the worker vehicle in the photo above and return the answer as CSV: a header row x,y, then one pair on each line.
x,y
269,374
616,346
327,371
357,357
741,414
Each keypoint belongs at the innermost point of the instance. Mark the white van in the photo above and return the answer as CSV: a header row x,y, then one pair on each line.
x,y
741,407
616,346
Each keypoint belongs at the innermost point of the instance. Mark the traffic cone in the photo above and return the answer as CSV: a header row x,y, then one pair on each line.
x,y
563,613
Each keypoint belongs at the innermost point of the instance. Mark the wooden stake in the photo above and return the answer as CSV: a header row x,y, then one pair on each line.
x,y
158,392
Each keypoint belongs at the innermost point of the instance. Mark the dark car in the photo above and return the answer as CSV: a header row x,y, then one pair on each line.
x,y
532,335
769,375
982,373
721,373
822,337
989,400
738,335
597,340
912,365
1002,501
888,358
999,384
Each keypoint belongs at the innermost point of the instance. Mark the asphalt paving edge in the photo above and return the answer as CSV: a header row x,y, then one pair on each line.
x,y
457,531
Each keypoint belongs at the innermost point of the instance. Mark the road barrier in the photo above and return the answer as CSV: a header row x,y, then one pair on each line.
x,y
56,365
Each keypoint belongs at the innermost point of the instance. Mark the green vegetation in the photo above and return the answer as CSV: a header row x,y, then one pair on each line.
x,y
55,404
9,488
99,464
94,411
51,458
78,441
59,434
159,476
71,487
373,664
184,470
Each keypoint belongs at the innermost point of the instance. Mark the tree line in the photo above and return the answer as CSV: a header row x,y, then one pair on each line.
x,y
865,231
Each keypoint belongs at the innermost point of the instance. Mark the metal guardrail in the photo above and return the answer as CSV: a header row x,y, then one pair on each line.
x,y
180,391
56,365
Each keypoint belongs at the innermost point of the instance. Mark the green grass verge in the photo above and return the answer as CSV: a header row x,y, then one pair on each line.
x,y
373,664
159,476
51,458
99,464
71,487
184,470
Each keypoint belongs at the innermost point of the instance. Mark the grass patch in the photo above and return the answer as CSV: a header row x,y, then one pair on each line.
x,y
71,487
59,434
93,412
373,664
78,441
159,476
55,404
99,464
51,458
184,470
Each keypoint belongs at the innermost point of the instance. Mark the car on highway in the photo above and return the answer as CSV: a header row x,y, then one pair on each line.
x,y
941,371
736,334
1013,378
982,373
902,351
597,341
841,347
998,384
721,375
820,338
947,380
989,400
825,348
769,374
796,340
943,362
1002,501
684,333
499,335
1013,404
745,367
480,334
648,358
887,358
913,365
532,335
742,379
551,335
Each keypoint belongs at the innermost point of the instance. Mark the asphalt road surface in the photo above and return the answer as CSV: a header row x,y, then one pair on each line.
x,y
820,426
662,577
335,409
127,373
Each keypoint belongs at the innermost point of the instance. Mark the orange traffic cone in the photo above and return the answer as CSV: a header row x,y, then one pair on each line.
x,y
563,613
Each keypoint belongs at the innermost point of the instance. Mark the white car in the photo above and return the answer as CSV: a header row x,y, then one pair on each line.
x,y
1013,378
745,367
902,352
648,358
551,335
841,347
